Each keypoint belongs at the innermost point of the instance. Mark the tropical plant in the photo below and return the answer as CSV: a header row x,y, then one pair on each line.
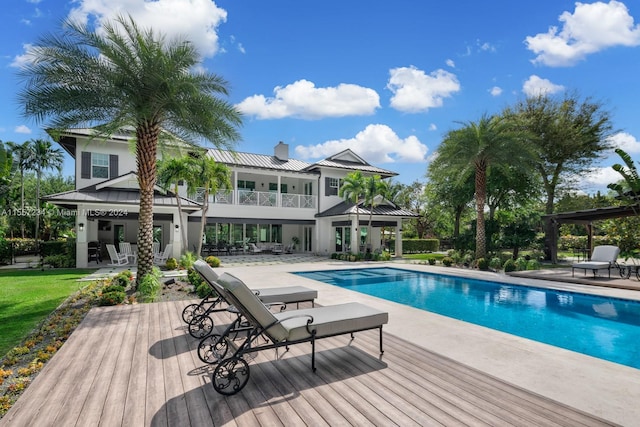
x,y
473,149
44,157
127,77
23,156
629,189
374,189
170,172
211,176
352,190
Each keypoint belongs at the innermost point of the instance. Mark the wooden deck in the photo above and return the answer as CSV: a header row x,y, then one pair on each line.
x,y
137,366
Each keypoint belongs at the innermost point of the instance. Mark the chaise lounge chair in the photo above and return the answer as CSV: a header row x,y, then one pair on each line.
x,y
284,329
603,258
197,315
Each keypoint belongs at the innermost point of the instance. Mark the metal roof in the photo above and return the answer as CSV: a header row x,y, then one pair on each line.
x,y
352,166
260,161
117,197
347,208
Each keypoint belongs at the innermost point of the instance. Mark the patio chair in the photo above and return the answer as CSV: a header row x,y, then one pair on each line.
x,y
125,248
197,315
284,329
117,259
162,257
277,249
156,248
254,249
604,257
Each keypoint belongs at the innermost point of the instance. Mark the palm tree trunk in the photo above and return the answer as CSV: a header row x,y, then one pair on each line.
x,y
22,201
146,149
481,183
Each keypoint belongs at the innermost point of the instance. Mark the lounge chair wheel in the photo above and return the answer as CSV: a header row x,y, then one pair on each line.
x,y
212,348
200,326
191,311
230,376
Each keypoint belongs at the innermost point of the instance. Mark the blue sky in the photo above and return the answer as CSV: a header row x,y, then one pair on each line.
x,y
386,79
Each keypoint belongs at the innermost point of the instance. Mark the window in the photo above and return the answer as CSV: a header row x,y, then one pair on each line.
x,y
246,185
332,186
99,165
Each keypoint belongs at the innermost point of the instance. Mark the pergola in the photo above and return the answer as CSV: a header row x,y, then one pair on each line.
x,y
586,218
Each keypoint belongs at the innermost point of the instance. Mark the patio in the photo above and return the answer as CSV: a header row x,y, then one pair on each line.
x,y
135,365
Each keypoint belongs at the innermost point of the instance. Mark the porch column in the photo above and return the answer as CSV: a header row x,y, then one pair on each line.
x,y
176,239
399,239
82,226
354,245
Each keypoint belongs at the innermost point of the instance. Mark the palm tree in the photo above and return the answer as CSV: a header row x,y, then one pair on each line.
x,y
352,190
44,157
23,155
373,188
211,176
474,148
170,171
630,188
124,76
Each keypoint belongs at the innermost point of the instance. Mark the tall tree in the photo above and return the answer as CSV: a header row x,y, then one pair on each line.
x,y
570,134
352,190
170,172
373,191
476,146
24,156
125,76
45,157
6,165
212,177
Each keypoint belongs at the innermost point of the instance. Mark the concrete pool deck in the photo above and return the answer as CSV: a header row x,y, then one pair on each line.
x,y
602,388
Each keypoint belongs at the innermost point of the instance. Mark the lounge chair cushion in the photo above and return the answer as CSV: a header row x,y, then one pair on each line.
x,y
287,294
331,320
254,306
592,265
206,270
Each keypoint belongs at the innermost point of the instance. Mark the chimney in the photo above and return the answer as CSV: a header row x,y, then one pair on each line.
x,y
281,151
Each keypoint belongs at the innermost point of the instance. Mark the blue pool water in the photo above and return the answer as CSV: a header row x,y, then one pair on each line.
x,y
607,328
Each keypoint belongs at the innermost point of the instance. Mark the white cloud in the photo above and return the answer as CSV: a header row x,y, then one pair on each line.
x,y
377,143
625,141
535,86
485,46
21,60
196,20
591,28
600,177
450,63
303,100
22,129
433,127
414,91
495,91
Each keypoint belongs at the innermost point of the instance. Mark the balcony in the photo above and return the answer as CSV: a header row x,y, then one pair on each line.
x,y
258,198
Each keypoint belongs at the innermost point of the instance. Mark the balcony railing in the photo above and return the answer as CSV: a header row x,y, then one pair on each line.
x,y
258,198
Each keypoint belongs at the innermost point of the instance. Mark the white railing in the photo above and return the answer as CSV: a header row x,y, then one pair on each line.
x,y
258,198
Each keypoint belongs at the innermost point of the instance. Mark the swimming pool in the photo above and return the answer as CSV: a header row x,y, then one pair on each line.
x,y
606,328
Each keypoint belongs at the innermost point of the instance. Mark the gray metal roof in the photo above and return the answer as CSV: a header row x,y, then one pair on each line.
x,y
346,208
260,161
116,197
352,166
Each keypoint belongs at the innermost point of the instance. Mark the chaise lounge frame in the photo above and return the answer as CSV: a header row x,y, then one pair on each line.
x,y
604,257
232,374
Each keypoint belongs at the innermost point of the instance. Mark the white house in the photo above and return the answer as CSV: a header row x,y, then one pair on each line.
x,y
274,200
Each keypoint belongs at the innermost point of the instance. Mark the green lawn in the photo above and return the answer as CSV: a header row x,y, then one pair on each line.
x,y
29,296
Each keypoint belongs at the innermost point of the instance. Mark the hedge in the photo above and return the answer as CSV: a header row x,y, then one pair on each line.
x,y
410,246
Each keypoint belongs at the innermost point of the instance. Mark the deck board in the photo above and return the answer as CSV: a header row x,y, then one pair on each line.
x,y
136,365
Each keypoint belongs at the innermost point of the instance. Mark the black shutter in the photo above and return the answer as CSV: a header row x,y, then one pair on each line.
x,y
327,186
85,165
113,166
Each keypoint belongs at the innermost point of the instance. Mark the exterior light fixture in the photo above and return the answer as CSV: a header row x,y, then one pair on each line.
x,y
81,226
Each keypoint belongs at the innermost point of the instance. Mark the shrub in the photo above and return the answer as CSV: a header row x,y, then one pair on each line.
x,y
214,262
59,261
447,261
194,278
495,263
122,279
149,288
5,251
112,297
521,263
432,261
482,264
533,264
203,289
187,260
509,265
171,264
334,255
